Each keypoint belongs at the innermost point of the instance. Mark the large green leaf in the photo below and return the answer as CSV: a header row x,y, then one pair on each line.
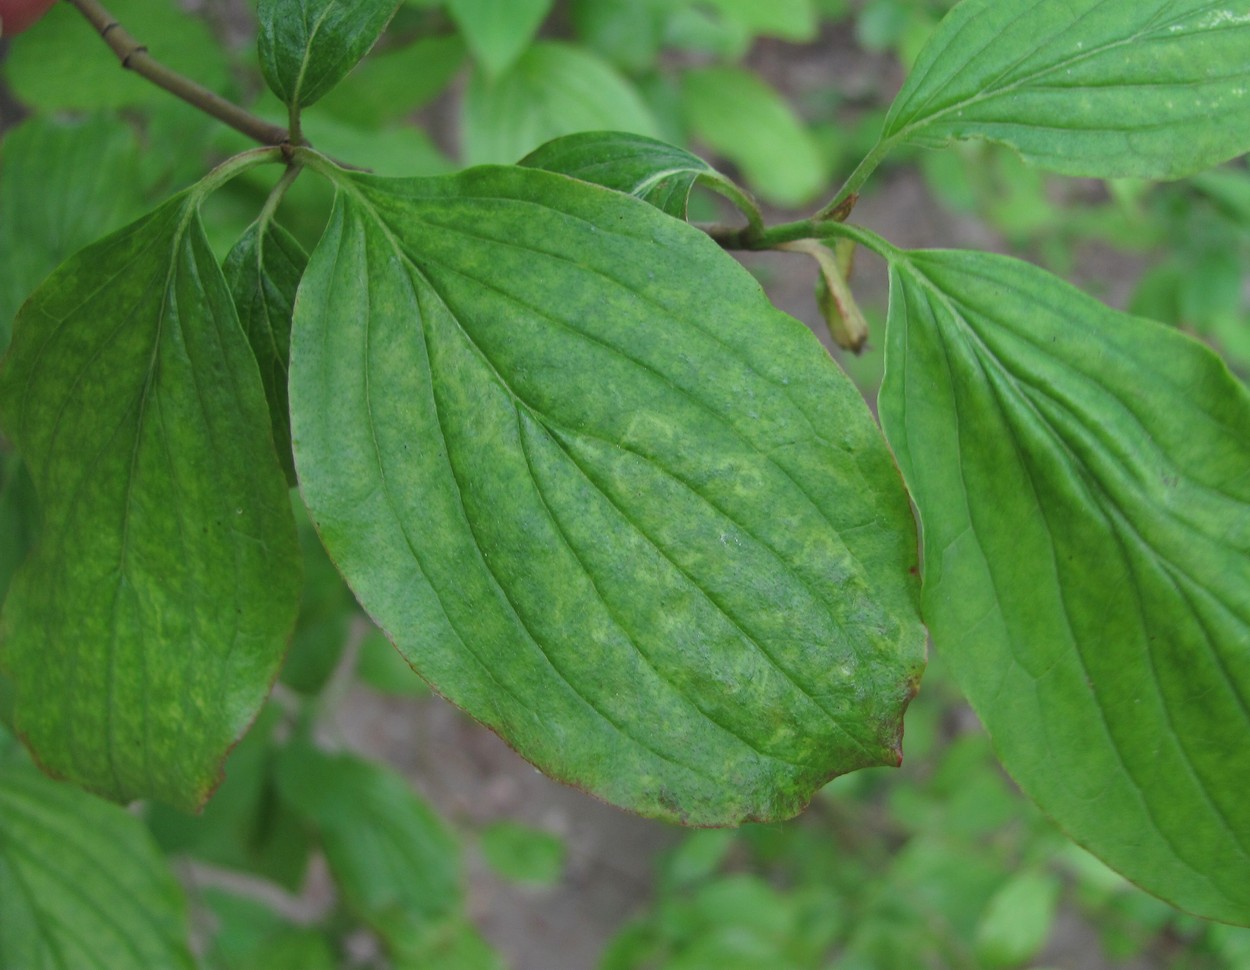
x,y
1153,89
263,271
143,632
81,884
307,46
601,494
1083,484
497,31
552,90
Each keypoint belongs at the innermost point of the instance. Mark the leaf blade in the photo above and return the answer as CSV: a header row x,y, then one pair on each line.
x,y
133,396
84,884
652,170
1087,88
1079,475
498,31
593,573
307,46
263,270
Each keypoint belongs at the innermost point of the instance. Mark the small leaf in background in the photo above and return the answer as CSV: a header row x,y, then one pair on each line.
x,y
454,944
498,31
89,162
652,170
384,668
61,63
263,271
81,884
394,862
746,121
1018,919
249,934
652,499
244,826
1082,483
628,33
522,854
307,46
794,20
144,630
552,90
698,856
1086,87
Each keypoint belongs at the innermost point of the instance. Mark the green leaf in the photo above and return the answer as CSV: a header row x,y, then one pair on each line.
x,y
61,63
591,483
552,90
746,121
628,33
384,668
143,632
83,885
244,826
307,46
394,862
1083,484
794,20
1157,89
1018,919
326,611
263,271
89,163
652,170
498,31
522,854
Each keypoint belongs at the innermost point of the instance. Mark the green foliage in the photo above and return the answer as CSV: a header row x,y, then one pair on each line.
x,y
133,395
308,46
523,854
744,120
393,861
62,64
83,884
940,864
498,31
553,89
604,497
1097,537
1086,88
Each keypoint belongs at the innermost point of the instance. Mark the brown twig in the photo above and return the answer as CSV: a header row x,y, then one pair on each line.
x,y
135,57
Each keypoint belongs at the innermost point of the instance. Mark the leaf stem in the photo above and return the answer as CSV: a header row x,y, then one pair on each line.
x,y
775,237
838,208
236,165
135,57
279,192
